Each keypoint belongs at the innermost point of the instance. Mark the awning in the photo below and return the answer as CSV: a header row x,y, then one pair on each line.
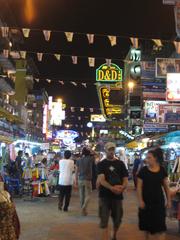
x,y
132,144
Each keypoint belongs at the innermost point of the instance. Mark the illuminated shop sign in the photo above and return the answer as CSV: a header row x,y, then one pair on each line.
x,y
173,87
97,118
109,73
62,134
111,105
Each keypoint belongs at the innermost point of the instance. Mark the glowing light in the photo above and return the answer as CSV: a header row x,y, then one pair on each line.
x,y
29,10
131,85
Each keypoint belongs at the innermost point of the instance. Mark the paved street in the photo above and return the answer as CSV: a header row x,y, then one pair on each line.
x,y
40,220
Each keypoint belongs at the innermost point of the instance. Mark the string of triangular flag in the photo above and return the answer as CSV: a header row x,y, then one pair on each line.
x,y
64,83
22,54
90,36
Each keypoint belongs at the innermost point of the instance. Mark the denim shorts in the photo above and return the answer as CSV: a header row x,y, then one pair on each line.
x,y
110,207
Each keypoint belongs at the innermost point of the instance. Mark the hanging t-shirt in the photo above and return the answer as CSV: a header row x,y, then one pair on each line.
x,y
114,172
66,168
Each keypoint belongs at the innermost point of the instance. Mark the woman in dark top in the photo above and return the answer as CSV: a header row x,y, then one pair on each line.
x,y
152,180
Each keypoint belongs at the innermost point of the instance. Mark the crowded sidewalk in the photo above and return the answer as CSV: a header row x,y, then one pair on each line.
x,y
41,220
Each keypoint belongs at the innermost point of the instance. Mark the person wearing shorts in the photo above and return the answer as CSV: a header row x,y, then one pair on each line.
x,y
112,181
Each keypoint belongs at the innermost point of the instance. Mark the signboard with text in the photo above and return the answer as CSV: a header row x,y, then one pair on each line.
x,y
109,73
169,114
167,65
110,109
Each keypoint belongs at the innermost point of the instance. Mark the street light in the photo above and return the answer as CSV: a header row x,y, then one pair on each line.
x,y
90,125
131,86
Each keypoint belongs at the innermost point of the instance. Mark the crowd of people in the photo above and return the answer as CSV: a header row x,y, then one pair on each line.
x,y
110,177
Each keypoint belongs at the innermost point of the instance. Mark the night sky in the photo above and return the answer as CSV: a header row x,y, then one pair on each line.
x,y
140,18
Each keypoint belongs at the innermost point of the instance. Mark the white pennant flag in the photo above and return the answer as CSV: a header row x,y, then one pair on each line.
x,y
91,61
82,109
47,34
74,83
113,40
84,85
72,109
157,42
82,134
23,54
108,62
39,56
36,79
6,53
69,36
5,31
90,38
91,110
61,82
49,80
134,42
57,56
26,32
79,118
74,59
177,46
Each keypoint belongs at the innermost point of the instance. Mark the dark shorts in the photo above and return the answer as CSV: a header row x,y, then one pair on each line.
x,y
110,207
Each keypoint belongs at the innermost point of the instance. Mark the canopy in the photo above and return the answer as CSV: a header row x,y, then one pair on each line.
x,y
132,144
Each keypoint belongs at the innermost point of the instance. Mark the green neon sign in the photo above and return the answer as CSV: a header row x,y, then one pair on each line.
x,y
109,73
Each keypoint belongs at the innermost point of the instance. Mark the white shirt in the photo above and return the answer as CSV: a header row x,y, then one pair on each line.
x,y
66,169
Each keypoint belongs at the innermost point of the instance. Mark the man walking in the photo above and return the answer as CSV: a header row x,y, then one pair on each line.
x,y
112,181
84,179
66,167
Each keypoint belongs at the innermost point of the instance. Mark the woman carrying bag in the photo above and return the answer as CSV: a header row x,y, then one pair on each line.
x,y
152,184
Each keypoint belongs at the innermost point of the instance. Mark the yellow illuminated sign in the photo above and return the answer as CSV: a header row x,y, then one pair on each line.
x,y
109,73
109,110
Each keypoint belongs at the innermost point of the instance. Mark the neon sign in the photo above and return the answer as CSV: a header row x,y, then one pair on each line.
x,y
109,73
109,109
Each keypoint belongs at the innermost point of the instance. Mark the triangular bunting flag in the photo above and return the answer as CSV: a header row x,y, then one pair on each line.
x,y
82,133
58,56
134,42
39,56
72,109
47,34
84,85
79,118
108,62
36,79
6,53
74,59
90,38
82,109
74,83
91,110
23,54
49,80
91,61
113,40
5,31
26,32
61,82
157,42
69,36
177,46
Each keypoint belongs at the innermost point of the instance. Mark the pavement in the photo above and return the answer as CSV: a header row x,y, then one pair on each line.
x,y
41,220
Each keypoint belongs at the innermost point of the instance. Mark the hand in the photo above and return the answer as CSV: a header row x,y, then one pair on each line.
x,y
142,205
169,205
116,189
